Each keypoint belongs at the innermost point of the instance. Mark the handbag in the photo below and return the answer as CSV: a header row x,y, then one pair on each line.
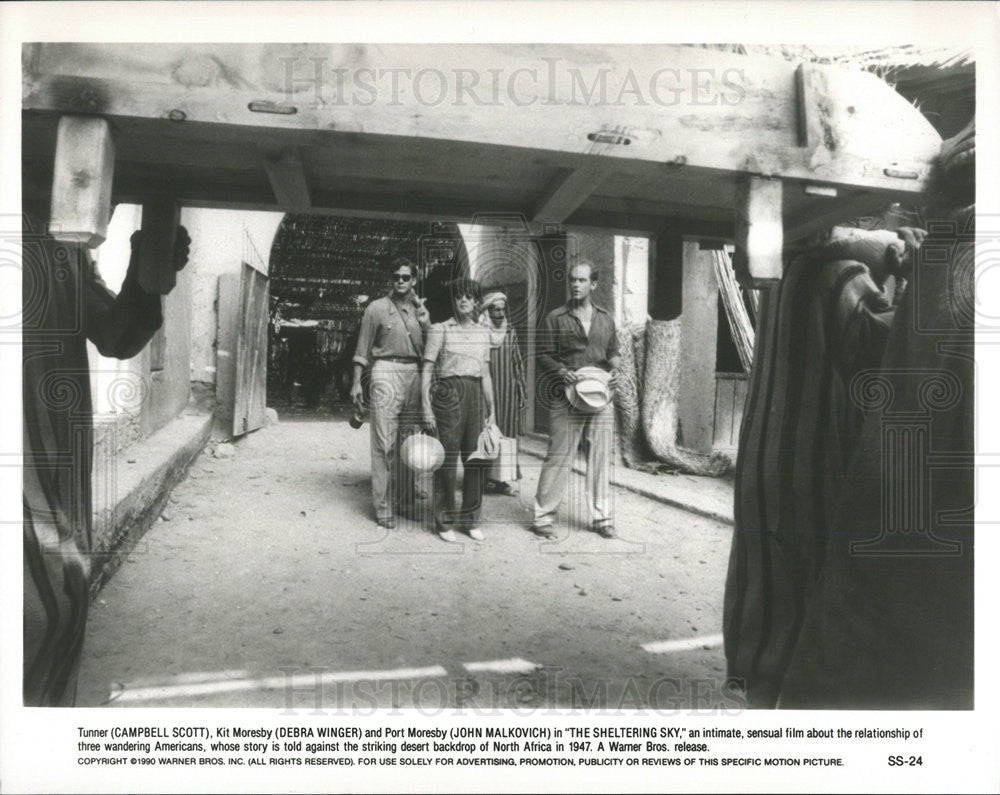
x,y
488,444
504,467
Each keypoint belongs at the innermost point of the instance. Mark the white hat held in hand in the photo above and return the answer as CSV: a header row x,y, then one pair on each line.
x,y
591,391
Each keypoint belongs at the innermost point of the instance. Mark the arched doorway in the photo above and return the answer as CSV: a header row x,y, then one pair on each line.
x,y
324,272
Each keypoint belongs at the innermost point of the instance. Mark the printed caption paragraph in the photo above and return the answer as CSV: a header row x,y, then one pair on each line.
x,y
502,746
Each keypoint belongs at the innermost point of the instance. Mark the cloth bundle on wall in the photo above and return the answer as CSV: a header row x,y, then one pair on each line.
x,y
647,405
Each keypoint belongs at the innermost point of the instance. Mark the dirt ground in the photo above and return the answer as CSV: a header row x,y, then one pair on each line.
x,y
266,584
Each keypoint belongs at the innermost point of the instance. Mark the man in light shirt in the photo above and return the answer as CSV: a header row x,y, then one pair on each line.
x,y
392,340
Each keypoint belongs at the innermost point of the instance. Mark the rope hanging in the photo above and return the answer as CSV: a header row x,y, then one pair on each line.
x,y
740,323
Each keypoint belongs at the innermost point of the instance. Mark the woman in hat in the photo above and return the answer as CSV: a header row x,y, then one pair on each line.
x,y
457,392
507,371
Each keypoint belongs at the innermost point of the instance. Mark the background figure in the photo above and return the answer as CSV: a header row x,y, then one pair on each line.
x,y
391,339
65,303
458,404
507,372
826,321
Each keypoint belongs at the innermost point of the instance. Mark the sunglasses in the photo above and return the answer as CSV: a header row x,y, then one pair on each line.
x,y
401,277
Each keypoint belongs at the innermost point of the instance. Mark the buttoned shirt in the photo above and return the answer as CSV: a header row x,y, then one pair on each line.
x,y
563,342
389,328
458,350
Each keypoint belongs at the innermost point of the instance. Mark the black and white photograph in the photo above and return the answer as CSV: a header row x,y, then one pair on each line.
x,y
399,390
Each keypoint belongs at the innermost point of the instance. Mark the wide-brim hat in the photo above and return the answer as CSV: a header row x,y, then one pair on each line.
x,y
591,391
422,453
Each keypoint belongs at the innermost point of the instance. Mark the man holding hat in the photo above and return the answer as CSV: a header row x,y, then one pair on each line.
x,y
578,359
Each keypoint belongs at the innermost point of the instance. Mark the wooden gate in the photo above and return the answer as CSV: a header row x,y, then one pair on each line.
x,y
242,349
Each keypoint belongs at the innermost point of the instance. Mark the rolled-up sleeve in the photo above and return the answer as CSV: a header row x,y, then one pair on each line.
x,y
366,337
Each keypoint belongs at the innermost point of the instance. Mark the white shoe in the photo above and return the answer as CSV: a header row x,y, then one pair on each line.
x,y
476,534
449,536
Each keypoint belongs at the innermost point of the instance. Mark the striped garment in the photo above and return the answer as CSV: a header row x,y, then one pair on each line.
x,y
507,372
64,304
824,322
891,624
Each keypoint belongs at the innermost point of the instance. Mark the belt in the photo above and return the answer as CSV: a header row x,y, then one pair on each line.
x,y
398,359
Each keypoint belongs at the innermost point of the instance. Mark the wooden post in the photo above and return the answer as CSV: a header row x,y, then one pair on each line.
x,y
81,180
156,254
699,337
759,231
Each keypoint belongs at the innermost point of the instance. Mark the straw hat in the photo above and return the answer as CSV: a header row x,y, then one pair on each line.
x,y
591,391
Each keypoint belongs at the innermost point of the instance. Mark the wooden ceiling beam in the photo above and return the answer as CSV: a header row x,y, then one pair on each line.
x,y
867,134
855,205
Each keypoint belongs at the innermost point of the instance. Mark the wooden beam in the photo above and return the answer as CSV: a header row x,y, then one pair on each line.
x,y
759,231
288,178
81,180
565,193
699,331
157,274
738,115
856,204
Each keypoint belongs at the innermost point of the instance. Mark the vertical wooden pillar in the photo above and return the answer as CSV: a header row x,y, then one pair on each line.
x,y
157,274
665,274
759,231
81,180
699,330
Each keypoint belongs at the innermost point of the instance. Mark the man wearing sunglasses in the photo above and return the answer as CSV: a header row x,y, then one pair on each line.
x,y
391,339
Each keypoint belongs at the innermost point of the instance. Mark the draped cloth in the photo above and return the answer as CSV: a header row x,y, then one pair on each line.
x,y
822,324
890,622
64,304
851,579
507,372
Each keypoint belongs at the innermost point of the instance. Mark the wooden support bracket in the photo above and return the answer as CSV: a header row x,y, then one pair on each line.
x,y
287,176
759,231
565,193
81,180
157,274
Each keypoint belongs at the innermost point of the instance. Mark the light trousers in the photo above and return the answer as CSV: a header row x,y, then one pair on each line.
x,y
568,424
394,398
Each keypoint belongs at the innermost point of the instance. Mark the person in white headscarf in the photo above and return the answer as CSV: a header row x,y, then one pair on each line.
x,y
507,370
